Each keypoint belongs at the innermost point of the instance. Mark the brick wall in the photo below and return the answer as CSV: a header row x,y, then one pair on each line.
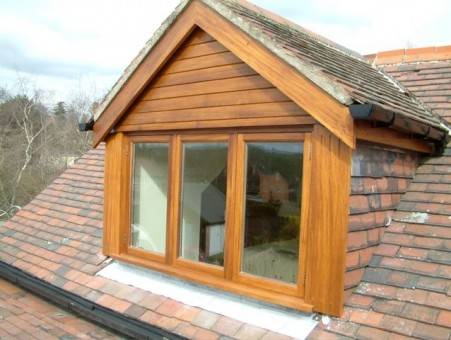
x,y
379,177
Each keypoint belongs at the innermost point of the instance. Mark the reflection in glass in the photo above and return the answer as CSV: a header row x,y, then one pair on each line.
x,y
204,183
272,210
150,187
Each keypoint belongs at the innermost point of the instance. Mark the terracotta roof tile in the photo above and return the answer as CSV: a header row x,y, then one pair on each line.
x,y
364,83
24,316
342,73
427,77
406,286
405,290
58,238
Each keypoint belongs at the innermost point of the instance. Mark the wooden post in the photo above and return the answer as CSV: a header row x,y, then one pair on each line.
x,y
116,189
327,222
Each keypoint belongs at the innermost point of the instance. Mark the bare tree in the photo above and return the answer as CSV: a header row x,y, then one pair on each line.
x,y
36,141
31,131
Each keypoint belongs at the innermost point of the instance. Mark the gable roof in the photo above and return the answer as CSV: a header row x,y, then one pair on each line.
x,y
343,75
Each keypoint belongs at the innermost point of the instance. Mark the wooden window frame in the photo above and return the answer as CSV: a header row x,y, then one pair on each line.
x,y
323,225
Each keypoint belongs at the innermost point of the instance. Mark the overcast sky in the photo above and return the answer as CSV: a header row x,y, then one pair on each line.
x,y
62,46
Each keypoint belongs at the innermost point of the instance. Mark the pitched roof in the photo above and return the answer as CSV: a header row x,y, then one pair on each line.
x,y
25,316
343,74
406,288
426,72
57,237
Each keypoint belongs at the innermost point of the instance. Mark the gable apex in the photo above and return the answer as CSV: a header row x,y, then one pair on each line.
x,y
191,14
320,76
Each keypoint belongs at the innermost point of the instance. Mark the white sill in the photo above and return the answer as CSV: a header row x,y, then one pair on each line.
x,y
277,319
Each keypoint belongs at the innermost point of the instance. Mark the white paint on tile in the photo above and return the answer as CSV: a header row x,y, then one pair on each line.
x,y
416,217
277,319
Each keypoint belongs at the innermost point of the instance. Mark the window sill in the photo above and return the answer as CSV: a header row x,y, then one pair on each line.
x,y
277,319
213,281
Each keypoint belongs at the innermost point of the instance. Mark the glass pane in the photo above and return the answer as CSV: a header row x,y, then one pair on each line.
x,y
272,211
203,202
150,188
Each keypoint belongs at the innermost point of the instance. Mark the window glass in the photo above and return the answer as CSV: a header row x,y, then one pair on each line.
x,y
150,188
272,210
204,184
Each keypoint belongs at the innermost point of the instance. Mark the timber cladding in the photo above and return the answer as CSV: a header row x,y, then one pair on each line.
x,y
205,85
204,88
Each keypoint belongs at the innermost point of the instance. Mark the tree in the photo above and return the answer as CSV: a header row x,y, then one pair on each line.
x,y
59,109
36,141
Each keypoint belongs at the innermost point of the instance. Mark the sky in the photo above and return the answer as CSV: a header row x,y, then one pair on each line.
x,y
69,46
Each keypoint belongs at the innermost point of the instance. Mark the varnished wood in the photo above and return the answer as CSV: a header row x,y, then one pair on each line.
x,y
385,136
206,74
305,206
228,277
206,114
305,129
239,209
201,267
214,102
220,283
199,37
175,167
243,98
208,87
200,50
116,185
201,63
329,112
272,72
145,254
254,96
144,74
327,221
181,262
230,208
298,121
126,199
191,86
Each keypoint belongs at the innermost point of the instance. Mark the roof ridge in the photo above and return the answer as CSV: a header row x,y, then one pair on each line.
x,y
410,55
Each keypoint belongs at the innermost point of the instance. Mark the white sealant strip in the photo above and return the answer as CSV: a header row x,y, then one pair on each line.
x,y
280,320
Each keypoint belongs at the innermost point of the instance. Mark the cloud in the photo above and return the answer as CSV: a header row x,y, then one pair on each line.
x,y
70,40
368,26
14,57
59,42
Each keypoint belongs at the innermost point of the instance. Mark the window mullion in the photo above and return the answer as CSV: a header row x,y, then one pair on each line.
x,y
236,203
172,240
230,212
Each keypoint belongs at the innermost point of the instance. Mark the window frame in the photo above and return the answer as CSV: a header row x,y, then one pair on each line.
x,y
240,182
229,277
128,204
178,261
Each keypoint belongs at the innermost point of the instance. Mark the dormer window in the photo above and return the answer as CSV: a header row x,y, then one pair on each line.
x,y
214,175
228,167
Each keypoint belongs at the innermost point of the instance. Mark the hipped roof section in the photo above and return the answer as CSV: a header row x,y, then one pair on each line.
x,y
343,74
